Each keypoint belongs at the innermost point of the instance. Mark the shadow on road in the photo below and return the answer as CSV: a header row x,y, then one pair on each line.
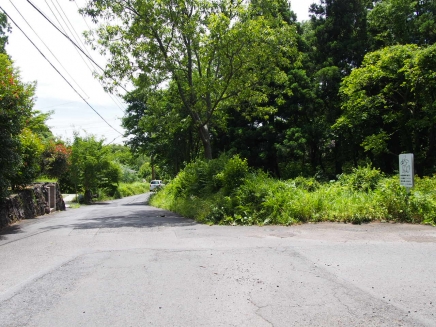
x,y
15,229
134,204
148,218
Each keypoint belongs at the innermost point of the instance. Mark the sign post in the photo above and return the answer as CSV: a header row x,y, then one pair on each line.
x,y
407,171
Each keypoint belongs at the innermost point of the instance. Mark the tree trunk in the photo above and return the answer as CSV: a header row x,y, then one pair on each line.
x,y
153,172
205,139
88,197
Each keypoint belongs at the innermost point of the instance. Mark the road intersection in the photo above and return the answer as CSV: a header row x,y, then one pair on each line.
x,y
124,263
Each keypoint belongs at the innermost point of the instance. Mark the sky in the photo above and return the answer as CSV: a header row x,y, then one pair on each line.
x,y
70,113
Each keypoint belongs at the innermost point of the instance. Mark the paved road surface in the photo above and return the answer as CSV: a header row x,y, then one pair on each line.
x,y
127,264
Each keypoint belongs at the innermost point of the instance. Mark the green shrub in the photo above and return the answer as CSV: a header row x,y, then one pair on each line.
x,y
235,170
224,191
199,178
128,175
423,201
308,184
31,149
394,199
361,179
129,189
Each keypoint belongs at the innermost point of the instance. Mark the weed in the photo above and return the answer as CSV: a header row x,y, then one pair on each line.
x,y
225,191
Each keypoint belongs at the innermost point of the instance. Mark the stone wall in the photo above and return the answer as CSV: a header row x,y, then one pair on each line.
x,y
30,203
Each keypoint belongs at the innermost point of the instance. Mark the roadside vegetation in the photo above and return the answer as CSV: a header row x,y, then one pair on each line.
x,y
225,191
102,172
30,152
254,116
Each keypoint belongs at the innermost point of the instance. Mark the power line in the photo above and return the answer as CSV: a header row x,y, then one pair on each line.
x,y
74,30
117,98
48,48
113,100
113,140
92,124
61,26
79,40
78,8
56,105
76,37
37,9
59,72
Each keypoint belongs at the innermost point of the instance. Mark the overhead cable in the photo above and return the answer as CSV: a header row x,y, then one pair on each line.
x,y
89,27
48,49
59,72
76,37
54,25
63,29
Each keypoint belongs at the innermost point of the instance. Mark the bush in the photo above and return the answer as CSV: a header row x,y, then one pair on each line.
x,y
233,175
16,102
361,179
394,200
200,178
129,189
224,191
128,175
308,184
30,151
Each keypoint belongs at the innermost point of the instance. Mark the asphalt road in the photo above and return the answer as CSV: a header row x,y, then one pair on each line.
x,y
128,264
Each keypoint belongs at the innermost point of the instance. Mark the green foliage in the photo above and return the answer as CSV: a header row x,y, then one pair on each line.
x,y
31,148
308,184
198,178
4,28
244,77
362,179
129,189
388,106
233,174
16,102
128,175
91,167
37,123
145,171
212,54
55,159
364,195
409,22
158,126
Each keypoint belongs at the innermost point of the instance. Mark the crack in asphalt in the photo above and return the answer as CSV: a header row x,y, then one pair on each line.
x,y
258,309
24,237
357,293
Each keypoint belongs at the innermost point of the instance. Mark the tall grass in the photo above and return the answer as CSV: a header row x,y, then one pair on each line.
x,y
226,191
122,190
129,189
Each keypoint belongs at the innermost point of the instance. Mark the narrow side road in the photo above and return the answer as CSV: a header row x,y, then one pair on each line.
x,y
124,263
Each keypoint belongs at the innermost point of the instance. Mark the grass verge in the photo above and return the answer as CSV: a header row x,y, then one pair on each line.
x,y
225,191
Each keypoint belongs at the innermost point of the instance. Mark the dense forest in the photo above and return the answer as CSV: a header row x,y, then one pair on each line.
x,y
352,86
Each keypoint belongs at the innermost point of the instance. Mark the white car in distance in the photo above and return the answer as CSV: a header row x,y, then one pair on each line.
x,y
155,184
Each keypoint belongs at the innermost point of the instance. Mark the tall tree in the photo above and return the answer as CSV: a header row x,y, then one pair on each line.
x,y
216,52
256,136
339,42
389,106
403,22
157,125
